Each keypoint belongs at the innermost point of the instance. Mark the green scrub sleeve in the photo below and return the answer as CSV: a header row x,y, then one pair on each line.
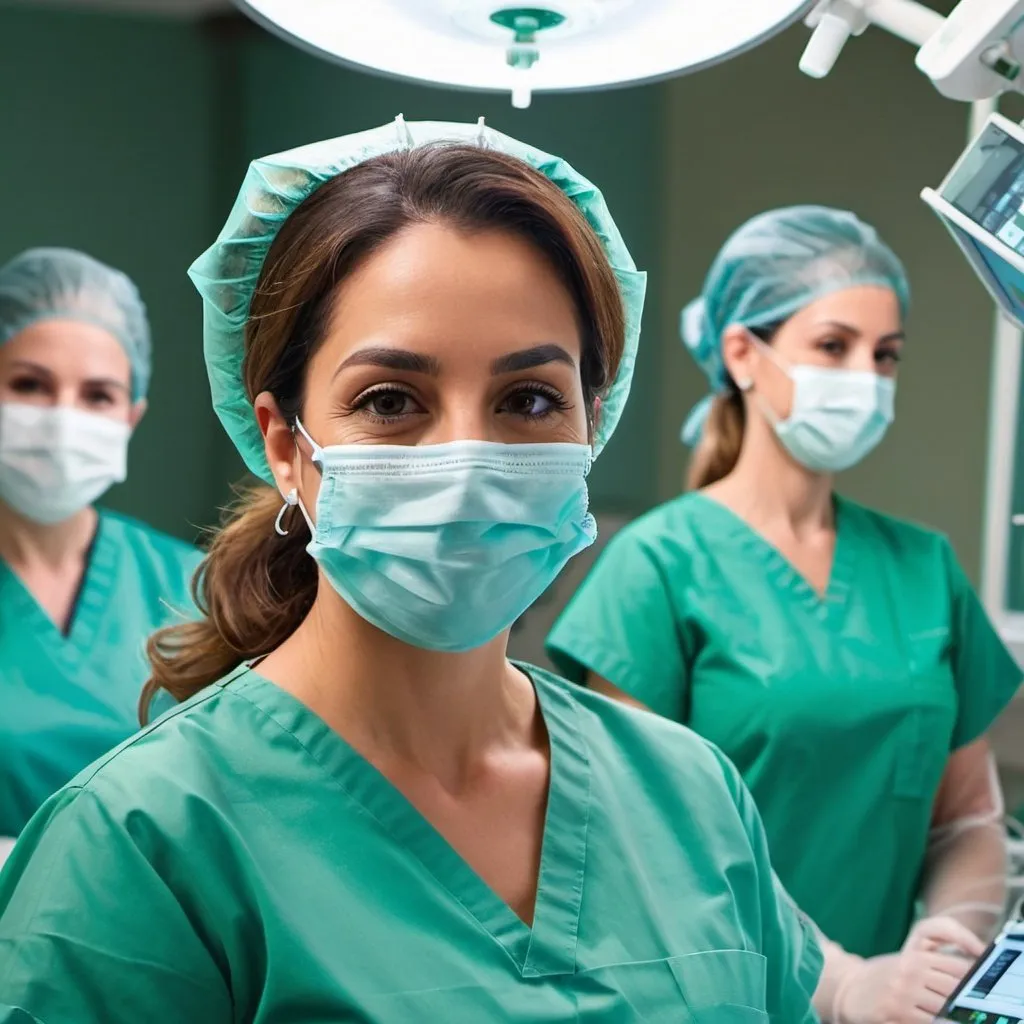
x,y
12,1015
986,675
788,942
89,931
622,625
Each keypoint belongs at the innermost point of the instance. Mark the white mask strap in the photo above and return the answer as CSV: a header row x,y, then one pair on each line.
x,y
317,450
291,499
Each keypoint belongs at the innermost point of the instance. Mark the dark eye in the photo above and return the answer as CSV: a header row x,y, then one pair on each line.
x,y
533,402
888,357
833,346
27,386
99,397
388,404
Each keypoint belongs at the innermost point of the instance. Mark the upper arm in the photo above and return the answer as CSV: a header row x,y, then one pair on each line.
x,y
622,625
969,790
788,939
985,673
89,932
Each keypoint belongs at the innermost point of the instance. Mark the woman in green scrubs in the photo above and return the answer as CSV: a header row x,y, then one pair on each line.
x,y
363,811
80,589
839,657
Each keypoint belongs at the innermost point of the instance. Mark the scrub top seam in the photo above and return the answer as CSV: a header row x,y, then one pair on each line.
x,y
172,713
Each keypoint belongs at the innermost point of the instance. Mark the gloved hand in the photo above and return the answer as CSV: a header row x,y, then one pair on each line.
x,y
912,986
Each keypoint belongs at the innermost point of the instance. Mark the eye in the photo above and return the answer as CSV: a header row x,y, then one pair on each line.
x,y
533,402
888,357
387,404
98,397
27,386
832,346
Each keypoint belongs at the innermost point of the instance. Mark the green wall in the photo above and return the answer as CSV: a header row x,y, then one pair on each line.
x,y
107,141
129,137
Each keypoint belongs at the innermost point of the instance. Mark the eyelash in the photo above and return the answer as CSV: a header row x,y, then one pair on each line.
x,y
835,347
557,400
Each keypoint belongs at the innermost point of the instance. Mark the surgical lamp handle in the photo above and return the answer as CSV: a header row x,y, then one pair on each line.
x,y
826,43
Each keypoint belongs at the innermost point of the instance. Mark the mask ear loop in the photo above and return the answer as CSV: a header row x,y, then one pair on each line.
x,y
291,499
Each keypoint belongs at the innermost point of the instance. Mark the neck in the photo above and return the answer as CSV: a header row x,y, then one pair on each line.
x,y
27,544
768,486
432,711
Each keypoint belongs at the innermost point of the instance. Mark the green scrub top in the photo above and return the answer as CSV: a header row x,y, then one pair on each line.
x,y
840,711
68,698
239,862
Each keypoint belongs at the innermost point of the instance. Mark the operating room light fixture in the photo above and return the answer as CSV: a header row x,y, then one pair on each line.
x,y
975,53
522,47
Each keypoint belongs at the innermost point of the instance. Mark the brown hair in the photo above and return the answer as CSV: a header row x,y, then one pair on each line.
x,y
718,450
255,587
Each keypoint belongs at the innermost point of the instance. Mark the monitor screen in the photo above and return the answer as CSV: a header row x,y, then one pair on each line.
x,y
993,992
987,187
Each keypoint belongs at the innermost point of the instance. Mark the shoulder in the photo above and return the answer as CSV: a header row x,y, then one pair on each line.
x,y
135,781
149,544
902,536
667,532
650,743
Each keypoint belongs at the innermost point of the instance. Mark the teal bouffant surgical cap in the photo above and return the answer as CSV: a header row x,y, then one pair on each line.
x,y
64,284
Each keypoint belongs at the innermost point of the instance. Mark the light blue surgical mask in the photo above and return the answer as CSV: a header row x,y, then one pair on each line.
x,y
444,546
838,416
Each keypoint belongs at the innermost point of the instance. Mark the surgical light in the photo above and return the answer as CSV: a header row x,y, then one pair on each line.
x,y
522,48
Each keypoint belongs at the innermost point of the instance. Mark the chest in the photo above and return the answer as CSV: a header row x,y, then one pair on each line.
x,y
496,825
54,593
389,931
798,687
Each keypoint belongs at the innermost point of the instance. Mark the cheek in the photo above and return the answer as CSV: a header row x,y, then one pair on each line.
x,y
308,477
777,390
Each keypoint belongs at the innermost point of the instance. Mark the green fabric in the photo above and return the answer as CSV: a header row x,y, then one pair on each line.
x,y
840,712
68,699
238,861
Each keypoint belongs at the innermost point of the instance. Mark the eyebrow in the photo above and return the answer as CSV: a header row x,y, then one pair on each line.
x,y
529,358
392,359
414,362
850,329
43,371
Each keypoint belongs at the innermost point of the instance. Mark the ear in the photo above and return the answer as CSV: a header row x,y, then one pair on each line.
x,y
740,355
138,410
278,441
595,418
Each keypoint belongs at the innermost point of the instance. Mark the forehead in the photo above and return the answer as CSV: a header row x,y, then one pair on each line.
x,y
69,349
459,296
868,308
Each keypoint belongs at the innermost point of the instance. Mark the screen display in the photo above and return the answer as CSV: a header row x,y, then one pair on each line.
x,y
993,993
987,187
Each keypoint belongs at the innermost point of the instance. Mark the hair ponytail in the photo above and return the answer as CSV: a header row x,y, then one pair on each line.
x,y
718,451
253,590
